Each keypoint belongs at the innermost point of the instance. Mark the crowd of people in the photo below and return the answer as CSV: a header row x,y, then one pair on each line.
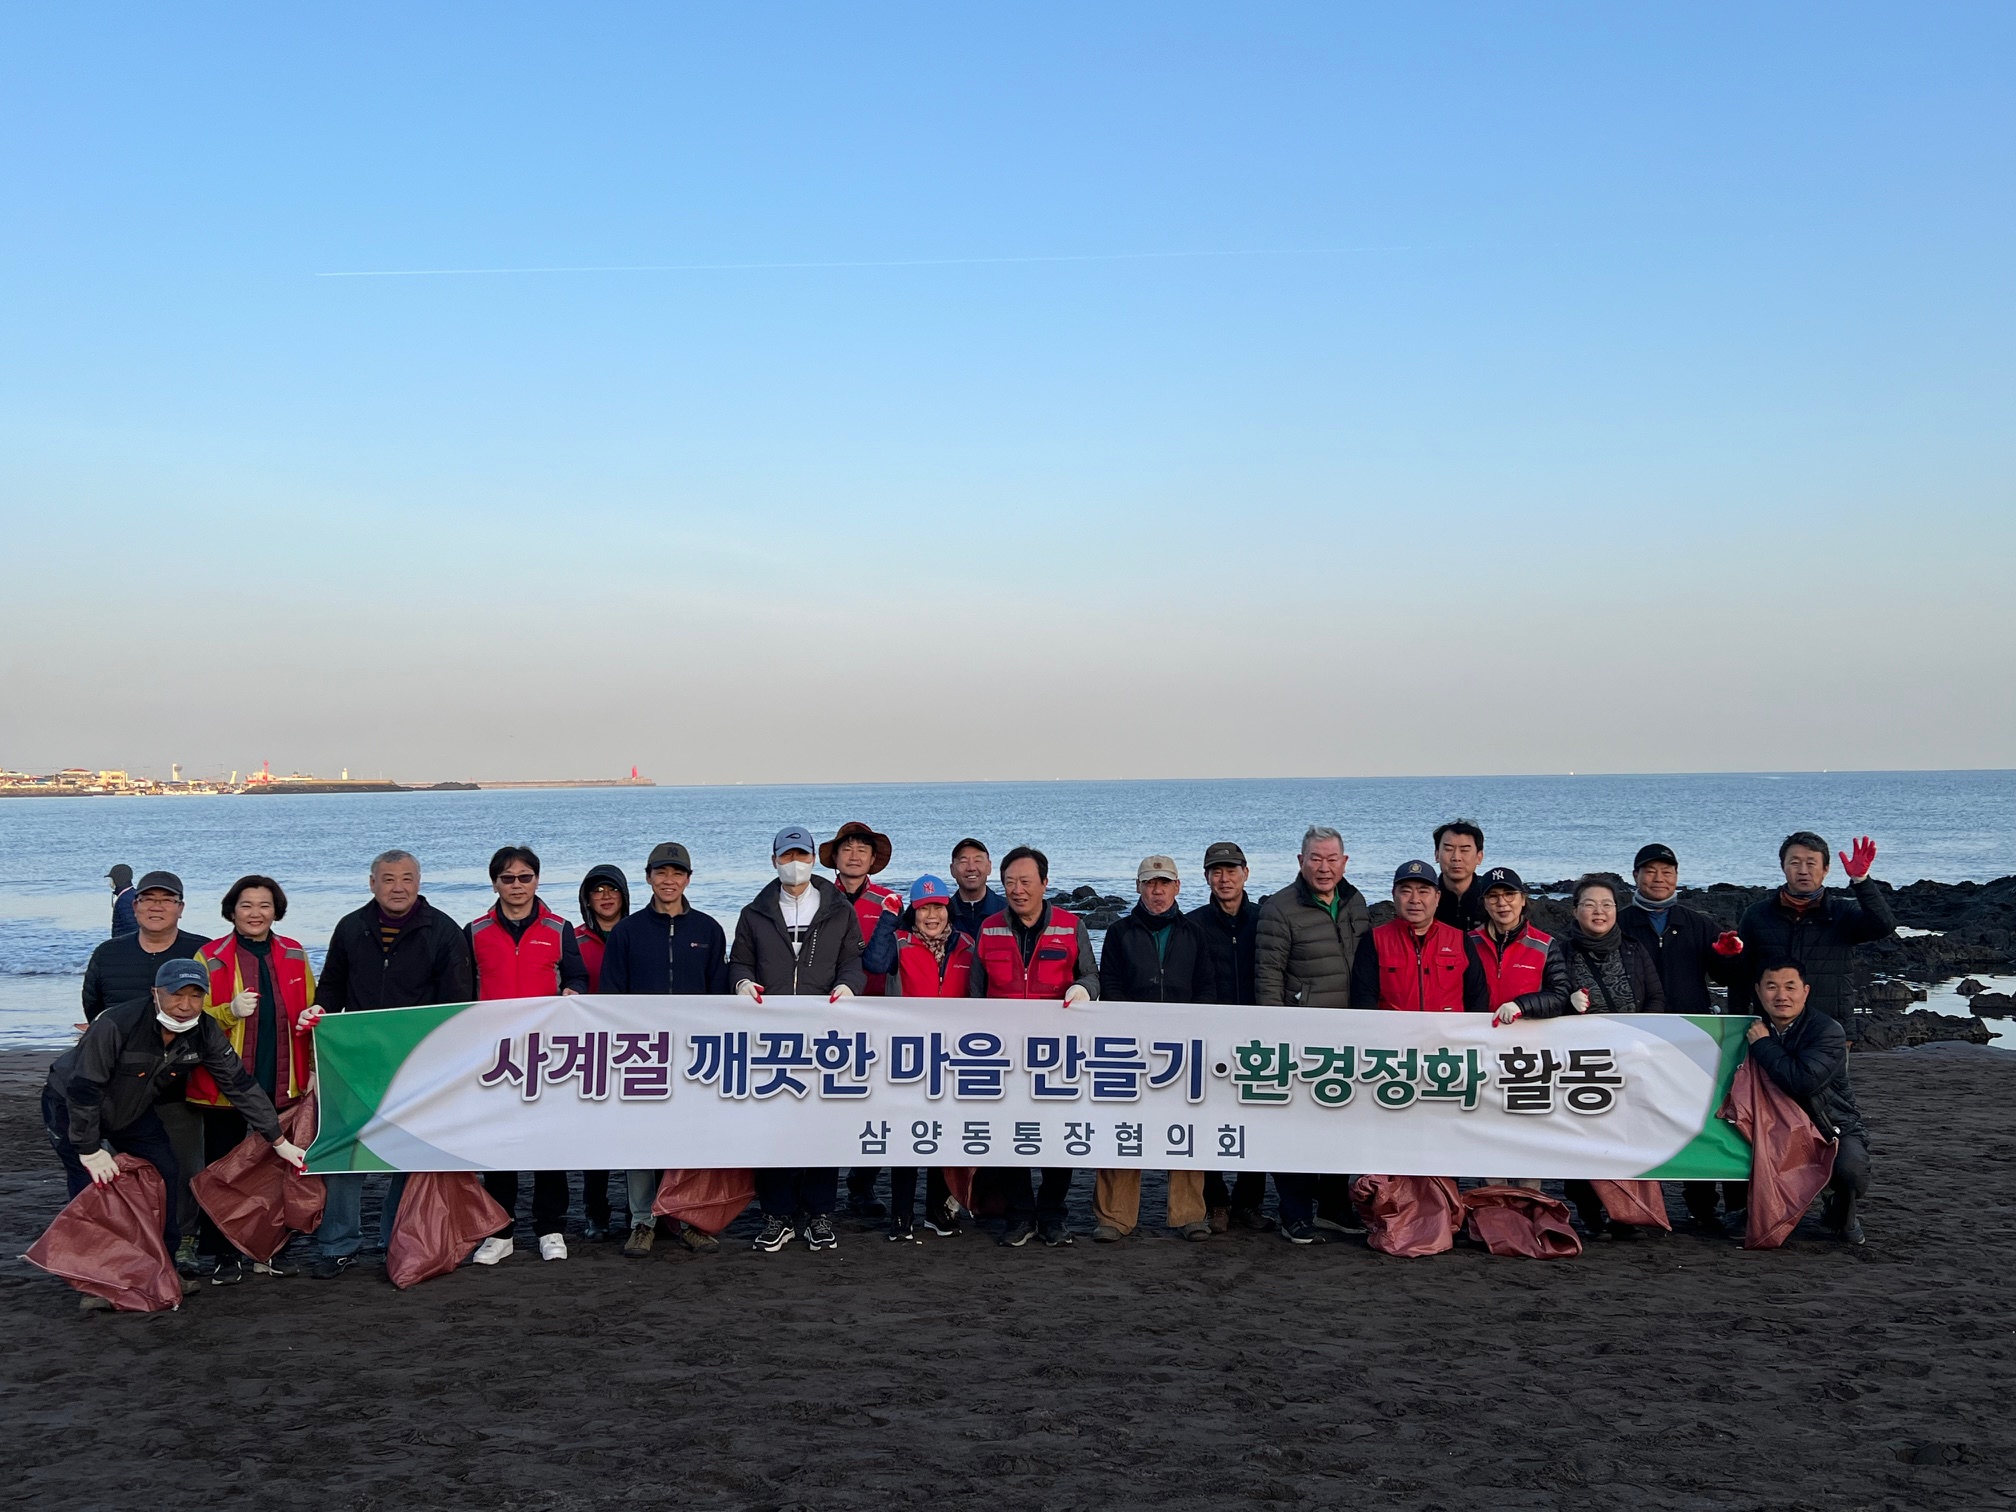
x,y
190,1042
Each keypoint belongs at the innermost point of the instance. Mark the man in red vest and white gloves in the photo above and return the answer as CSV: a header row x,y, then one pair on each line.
x,y
855,853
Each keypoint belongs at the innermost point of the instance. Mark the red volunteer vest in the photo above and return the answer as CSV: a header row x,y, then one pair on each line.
x,y
868,911
1520,970
521,968
1429,980
593,946
1051,968
917,968
231,971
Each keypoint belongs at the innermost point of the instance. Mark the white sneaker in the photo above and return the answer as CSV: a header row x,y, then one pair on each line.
x,y
490,1251
552,1247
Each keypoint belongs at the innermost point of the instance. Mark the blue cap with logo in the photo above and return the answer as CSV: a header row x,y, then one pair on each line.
x,y
1417,871
794,837
173,976
930,890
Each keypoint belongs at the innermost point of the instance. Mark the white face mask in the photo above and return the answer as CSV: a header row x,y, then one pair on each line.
x,y
175,1025
794,873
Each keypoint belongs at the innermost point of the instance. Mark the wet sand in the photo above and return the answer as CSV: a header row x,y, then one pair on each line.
x,y
1681,1373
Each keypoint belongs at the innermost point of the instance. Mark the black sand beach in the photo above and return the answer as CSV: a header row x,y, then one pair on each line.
x,y
1681,1373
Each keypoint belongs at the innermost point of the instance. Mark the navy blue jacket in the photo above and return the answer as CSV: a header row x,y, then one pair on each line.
x,y
123,921
968,917
649,954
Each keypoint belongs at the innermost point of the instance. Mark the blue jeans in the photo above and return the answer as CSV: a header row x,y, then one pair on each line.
x,y
342,1230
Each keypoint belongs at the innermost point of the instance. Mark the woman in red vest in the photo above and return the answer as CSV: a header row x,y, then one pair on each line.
x,y
1524,974
260,986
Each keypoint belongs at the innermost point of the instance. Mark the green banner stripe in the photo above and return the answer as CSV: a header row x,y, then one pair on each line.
x,y
1718,1152
364,1053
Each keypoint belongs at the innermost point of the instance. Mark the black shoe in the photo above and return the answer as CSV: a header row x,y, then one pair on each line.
x,y
329,1267
819,1233
1055,1235
866,1207
1625,1230
275,1267
1018,1233
776,1234
1711,1224
902,1229
593,1232
1303,1233
1852,1233
945,1224
230,1272
1250,1218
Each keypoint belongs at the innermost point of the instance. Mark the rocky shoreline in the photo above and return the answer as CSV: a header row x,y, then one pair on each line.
x,y
1959,928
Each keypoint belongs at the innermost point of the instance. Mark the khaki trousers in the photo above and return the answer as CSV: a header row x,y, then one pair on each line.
x,y
1116,1199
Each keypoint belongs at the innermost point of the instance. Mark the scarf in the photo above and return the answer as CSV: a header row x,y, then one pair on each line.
x,y
1649,906
1802,902
1596,965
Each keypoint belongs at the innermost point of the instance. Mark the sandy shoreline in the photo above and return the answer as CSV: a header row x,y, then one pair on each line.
x,y
1675,1374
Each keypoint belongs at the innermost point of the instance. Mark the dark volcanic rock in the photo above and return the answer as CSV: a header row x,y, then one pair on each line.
x,y
1884,1030
1993,1004
1890,993
1968,987
1098,911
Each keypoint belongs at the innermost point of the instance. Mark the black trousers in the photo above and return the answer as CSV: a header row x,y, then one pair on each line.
x,y
788,1191
1304,1195
223,1129
1038,1195
595,1197
1701,1197
144,1137
1851,1168
903,1191
1248,1190
861,1182
549,1200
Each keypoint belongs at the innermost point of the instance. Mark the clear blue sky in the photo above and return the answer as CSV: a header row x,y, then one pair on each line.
x,y
1606,388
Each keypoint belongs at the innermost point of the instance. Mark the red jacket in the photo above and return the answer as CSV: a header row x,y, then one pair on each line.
x,y
868,906
1420,974
231,972
1522,969
1052,967
523,968
592,946
917,973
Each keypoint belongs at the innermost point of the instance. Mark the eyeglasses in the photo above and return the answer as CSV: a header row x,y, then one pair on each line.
x,y
518,877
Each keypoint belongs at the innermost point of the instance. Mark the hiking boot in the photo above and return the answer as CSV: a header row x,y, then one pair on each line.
x,y
1018,1233
275,1267
945,1224
1196,1233
1303,1233
1220,1220
1055,1235
699,1241
190,1286
901,1230
329,1267
186,1261
776,1234
490,1251
1105,1233
638,1245
1249,1218
819,1233
229,1272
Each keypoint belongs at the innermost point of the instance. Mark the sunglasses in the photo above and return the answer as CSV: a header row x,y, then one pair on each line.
x,y
518,877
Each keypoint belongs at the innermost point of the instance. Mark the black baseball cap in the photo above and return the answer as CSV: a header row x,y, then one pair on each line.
x,y
159,881
1647,854
668,853
1500,876
121,875
1223,853
1417,871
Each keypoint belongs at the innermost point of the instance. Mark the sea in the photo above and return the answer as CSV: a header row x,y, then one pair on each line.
x,y
55,905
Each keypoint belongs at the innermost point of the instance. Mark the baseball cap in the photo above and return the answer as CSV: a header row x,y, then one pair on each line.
x,y
1647,854
120,875
1156,867
173,976
159,881
794,837
1223,853
1417,871
668,853
1500,876
930,890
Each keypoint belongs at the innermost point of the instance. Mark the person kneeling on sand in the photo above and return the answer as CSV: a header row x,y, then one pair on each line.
x,y
102,1090
1805,1052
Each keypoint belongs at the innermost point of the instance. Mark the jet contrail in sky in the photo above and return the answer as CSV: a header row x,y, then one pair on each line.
x,y
893,262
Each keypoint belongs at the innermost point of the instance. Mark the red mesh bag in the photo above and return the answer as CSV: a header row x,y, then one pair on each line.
x,y
255,1198
1409,1216
443,1215
960,1180
1790,1164
1511,1220
107,1242
1639,1202
709,1200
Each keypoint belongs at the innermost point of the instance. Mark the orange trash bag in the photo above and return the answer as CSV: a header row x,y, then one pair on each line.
x,y
255,1198
1512,1220
959,1180
1790,1164
1409,1216
107,1242
443,1215
709,1200
1639,1202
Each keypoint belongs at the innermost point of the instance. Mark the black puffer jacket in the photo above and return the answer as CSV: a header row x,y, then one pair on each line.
x,y
428,963
1586,970
1822,939
829,957
1230,939
1809,1061
1684,953
1304,955
1132,970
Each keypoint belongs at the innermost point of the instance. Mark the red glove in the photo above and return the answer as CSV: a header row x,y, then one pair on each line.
x,y
1728,943
892,903
1857,864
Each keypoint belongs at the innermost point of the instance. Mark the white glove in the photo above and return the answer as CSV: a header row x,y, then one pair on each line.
x,y
753,990
293,1154
1508,1013
1579,1000
104,1168
1074,995
245,1004
309,1090
843,990
310,1017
